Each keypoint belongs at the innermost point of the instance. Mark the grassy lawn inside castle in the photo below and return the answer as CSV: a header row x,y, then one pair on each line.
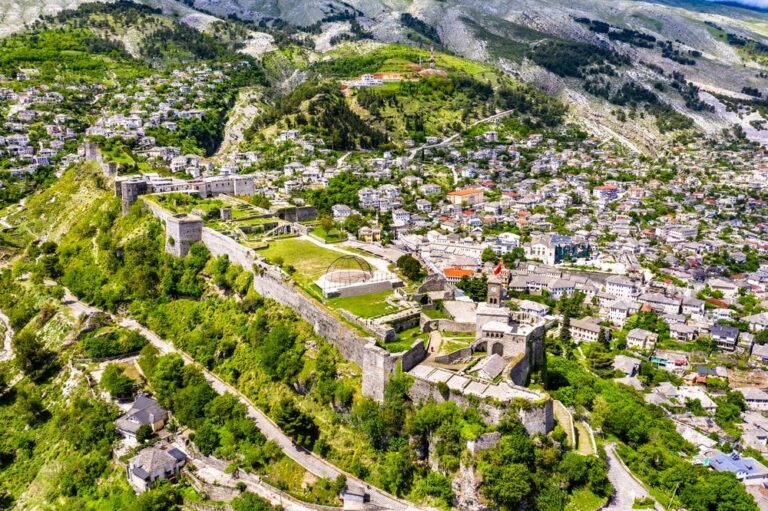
x,y
309,260
366,306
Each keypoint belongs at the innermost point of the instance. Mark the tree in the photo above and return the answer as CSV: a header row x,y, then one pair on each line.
x,y
368,416
206,438
279,354
410,267
162,497
148,359
326,224
261,201
114,381
565,330
507,486
251,502
512,258
144,433
353,223
600,361
397,471
32,357
297,424
605,338
167,377
489,256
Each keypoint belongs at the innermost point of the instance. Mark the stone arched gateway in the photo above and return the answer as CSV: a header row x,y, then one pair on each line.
x,y
498,349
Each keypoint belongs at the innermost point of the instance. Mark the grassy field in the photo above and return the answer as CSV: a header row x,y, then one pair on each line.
x,y
584,500
405,339
451,344
334,236
365,306
310,261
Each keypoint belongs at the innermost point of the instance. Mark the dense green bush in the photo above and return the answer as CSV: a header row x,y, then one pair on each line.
x,y
112,343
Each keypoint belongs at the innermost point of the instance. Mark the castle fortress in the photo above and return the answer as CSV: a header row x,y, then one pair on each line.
x,y
511,340
513,337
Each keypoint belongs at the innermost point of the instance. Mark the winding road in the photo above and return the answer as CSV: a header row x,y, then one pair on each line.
x,y
626,486
453,137
311,462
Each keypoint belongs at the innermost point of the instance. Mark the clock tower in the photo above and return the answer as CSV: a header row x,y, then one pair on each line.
x,y
494,292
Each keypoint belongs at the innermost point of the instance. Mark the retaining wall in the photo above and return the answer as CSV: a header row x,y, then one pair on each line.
x,y
536,416
454,356
445,325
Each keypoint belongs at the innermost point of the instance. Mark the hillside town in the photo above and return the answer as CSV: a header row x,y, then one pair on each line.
x,y
214,295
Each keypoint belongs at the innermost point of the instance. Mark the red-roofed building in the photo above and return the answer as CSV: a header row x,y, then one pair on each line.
x,y
469,196
455,274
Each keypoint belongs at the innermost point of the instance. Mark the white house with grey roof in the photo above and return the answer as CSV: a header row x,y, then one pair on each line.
x,y
757,399
757,322
152,464
621,286
145,411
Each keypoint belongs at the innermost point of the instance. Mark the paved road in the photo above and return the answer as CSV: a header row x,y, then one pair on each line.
x,y
215,472
626,487
306,459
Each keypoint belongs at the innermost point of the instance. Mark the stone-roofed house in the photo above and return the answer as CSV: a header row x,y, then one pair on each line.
x,y
491,367
534,308
760,353
585,330
661,303
154,463
620,310
757,399
757,322
693,306
726,336
640,339
145,410
746,470
620,286
683,332
630,366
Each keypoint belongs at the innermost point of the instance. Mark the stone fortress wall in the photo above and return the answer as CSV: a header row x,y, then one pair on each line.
x,y
377,364
535,414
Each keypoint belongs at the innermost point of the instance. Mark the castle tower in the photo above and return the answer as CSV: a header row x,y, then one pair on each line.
x,y
181,231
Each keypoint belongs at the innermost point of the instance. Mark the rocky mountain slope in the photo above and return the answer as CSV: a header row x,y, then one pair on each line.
x,y
715,47
672,66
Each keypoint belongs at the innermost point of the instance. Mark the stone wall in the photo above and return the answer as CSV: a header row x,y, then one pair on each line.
x,y
219,244
445,325
521,370
536,416
377,363
454,356
384,333
413,356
